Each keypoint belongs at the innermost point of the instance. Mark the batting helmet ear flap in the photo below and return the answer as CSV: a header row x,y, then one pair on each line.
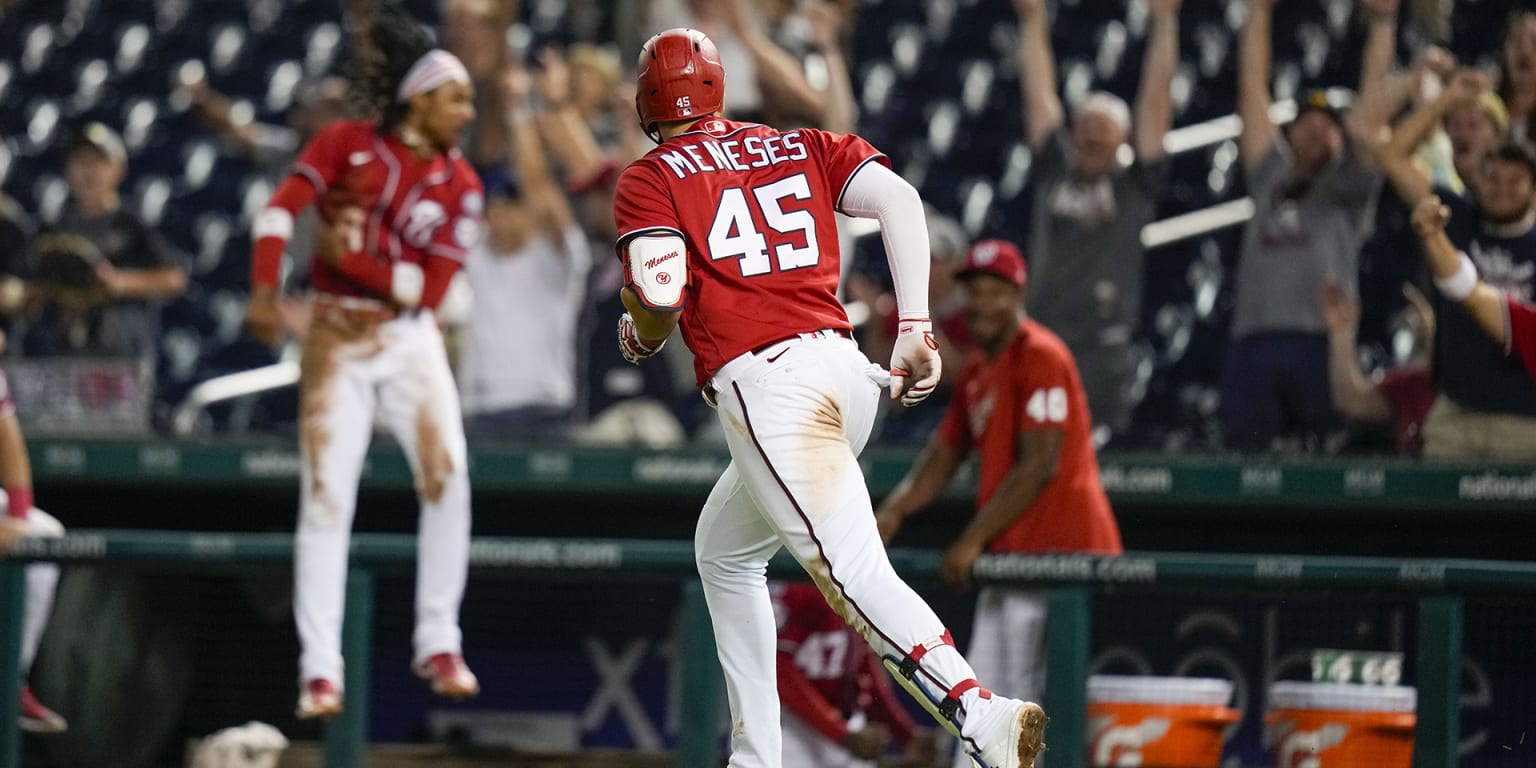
x,y
679,77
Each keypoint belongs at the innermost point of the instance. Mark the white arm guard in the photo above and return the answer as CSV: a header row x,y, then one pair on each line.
x,y
407,283
658,269
273,222
877,192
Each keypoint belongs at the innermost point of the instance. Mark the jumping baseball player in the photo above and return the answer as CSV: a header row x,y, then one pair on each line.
x,y
1019,403
399,206
19,520
727,229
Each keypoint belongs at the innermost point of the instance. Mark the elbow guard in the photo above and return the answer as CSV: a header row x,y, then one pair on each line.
x,y
656,268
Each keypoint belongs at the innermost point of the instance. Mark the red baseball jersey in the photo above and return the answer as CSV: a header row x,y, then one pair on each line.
x,y
416,208
1522,332
754,207
1034,385
1410,390
840,673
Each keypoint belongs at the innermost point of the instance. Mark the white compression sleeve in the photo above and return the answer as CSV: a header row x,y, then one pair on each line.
x,y
876,192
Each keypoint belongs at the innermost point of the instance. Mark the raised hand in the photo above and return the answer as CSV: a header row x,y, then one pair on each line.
x,y
1340,312
1380,8
1437,60
554,77
1468,85
515,85
826,25
1430,216
1029,8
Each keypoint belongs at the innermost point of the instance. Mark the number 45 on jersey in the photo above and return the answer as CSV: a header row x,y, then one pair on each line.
x,y
734,233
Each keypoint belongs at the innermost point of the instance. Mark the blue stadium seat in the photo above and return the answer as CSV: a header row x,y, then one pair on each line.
x,y
322,44
134,44
226,44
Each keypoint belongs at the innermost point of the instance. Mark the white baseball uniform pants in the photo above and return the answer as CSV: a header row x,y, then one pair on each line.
x,y
399,368
1008,645
42,579
804,747
796,417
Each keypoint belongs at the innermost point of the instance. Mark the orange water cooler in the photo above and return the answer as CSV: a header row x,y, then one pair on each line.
x,y
1341,725
1158,722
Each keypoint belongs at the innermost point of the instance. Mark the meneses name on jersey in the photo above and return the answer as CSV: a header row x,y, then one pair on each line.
x,y
730,155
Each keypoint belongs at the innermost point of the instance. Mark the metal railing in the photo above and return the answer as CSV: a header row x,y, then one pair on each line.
x,y
1073,579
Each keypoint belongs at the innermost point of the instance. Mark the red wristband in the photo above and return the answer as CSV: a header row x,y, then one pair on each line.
x,y
19,501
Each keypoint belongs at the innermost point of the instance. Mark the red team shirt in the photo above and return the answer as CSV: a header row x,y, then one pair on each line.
x,y
754,207
826,670
1522,333
418,210
1033,385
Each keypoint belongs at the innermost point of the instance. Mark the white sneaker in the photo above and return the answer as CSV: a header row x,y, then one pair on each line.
x,y
1004,733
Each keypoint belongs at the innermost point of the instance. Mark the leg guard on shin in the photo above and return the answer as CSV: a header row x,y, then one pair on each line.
x,y
940,701
943,706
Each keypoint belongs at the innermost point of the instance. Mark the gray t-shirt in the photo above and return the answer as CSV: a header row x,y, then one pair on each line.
x,y
1085,254
1301,235
522,344
76,319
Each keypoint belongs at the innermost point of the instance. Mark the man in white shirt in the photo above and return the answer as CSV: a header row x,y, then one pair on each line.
x,y
519,362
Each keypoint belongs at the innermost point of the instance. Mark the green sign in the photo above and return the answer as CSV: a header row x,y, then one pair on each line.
x,y
1361,667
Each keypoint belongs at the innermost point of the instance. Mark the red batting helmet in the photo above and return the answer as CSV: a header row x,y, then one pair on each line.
x,y
679,77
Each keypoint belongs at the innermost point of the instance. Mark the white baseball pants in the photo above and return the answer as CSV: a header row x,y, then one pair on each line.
x,y
42,578
350,370
796,416
1008,645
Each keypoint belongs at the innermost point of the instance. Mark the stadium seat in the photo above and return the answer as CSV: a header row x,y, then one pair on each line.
x,y
226,44
134,41
323,43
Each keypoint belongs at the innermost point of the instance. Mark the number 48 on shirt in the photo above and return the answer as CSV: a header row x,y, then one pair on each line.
x,y
1048,404
734,233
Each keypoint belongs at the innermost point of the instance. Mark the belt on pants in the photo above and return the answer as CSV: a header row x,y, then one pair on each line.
x,y
354,310
711,394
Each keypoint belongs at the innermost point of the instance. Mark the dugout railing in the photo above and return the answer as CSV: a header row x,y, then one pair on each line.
x,y
1440,587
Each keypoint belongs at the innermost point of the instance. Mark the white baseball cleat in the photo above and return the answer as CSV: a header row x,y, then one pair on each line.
x,y
449,676
36,718
1004,733
318,700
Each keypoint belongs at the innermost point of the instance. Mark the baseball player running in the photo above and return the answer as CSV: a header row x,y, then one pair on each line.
x,y
727,229
20,519
399,207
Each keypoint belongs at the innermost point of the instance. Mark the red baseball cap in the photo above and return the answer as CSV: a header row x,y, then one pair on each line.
x,y
998,258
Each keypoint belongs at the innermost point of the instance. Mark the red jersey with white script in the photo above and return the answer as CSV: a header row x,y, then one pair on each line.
x,y
1034,385
1522,332
416,208
839,672
754,207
